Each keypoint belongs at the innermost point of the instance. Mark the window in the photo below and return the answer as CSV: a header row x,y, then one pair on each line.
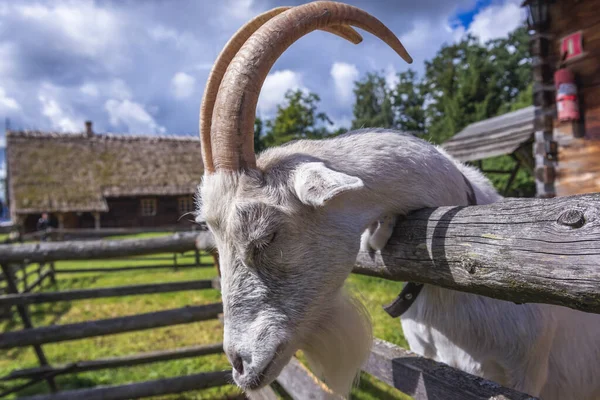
x,y
185,204
148,207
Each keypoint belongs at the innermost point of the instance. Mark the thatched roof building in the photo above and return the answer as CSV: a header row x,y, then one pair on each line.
x,y
68,175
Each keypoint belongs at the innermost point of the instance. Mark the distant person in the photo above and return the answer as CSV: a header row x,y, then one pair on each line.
x,y
42,225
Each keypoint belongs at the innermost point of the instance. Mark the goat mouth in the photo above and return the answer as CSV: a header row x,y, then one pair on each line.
x,y
269,373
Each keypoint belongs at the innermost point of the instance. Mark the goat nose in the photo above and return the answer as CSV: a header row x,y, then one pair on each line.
x,y
237,363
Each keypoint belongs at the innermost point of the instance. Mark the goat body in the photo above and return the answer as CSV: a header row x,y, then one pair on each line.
x,y
288,234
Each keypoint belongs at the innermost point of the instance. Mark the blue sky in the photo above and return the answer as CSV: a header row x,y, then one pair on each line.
x,y
139,67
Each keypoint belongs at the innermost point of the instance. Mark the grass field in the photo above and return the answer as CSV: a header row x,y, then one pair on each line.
x,y
373,292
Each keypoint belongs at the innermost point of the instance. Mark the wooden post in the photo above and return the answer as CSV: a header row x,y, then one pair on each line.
x,y
52,273
23,269
12,288
96,220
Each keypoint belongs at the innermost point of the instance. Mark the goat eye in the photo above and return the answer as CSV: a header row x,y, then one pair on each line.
x,y
262,244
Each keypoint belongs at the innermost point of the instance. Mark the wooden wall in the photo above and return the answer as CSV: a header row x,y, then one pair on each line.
x,y
578,169
124,212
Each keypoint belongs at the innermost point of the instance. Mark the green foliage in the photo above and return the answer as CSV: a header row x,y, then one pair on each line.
x,y
373,106
408,99
259,144
297,118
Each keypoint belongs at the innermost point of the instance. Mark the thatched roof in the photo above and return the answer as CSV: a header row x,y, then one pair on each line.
x,y
493,137
58,172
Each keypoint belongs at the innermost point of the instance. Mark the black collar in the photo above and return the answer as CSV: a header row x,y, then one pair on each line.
x,y
411,290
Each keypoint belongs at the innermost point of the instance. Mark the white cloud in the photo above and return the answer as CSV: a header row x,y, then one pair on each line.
x,y
119,89
182,85
59,118
90,89
7,103
344,75
133,115
183,41
497,21
240,10
274,89
83,27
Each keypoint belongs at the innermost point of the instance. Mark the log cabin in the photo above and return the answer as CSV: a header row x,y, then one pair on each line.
x,y
88,180
562,128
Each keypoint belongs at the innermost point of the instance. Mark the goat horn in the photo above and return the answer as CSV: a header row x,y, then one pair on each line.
x,y
224,59
235,106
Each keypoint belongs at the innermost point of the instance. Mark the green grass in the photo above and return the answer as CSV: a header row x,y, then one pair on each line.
x,y
372,292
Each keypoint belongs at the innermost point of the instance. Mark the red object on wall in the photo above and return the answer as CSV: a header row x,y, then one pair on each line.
x,y
572,46
566,95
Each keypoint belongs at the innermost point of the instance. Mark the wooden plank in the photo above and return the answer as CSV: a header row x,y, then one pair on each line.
x,y
425,379
115,362
521,250
144,389
158,319
127,268
98,249
570,16
266,393
70,295
301,384
24,314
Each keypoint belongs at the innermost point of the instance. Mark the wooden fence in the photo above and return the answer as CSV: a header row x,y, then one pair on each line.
x,y
522,250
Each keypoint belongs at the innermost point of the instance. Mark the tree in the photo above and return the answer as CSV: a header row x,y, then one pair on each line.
x,y
373,106
259,144
297,118
408,101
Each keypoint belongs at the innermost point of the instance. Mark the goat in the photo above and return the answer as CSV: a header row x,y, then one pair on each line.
x,y
288,227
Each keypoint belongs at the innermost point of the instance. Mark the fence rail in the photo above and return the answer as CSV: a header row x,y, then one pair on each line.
x,y
521,250
423,378
144,389
115,362
81,330
97,249
83,294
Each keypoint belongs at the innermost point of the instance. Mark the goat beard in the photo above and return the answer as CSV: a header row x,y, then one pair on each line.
x,y
340,344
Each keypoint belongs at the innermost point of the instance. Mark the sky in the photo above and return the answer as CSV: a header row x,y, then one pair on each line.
x,y
140,67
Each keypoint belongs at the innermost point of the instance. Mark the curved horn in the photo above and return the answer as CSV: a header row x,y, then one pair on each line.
x,y
235,106
222,62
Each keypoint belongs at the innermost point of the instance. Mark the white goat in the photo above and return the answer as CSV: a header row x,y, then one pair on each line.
x,y
288,228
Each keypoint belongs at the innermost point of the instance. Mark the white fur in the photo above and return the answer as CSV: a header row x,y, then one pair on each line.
x,y
288,234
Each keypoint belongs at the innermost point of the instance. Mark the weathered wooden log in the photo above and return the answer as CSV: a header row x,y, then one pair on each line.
x,y
127,268
521,250
143,389
299,383
60,333
115,362
70,295
266,393
425,379
96,249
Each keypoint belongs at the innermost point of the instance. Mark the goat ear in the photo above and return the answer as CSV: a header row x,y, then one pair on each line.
x,y
315,184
